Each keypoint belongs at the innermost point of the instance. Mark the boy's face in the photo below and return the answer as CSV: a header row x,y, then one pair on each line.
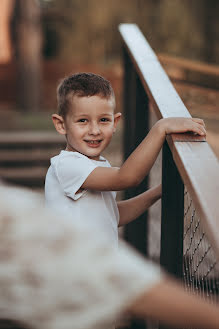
x,y
90,124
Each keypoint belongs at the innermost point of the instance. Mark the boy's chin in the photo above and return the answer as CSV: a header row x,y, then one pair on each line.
x,y
93,155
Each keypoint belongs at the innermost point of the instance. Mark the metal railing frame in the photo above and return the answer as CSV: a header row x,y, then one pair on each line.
x,y
187,159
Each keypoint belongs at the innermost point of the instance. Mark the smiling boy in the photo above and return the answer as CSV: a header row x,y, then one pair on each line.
x,y
79,180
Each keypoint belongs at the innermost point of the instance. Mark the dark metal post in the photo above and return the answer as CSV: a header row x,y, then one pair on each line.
x,y
136,128
171,255
136,113
129,96
172,215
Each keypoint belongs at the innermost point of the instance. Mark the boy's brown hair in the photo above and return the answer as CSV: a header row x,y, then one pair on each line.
x,y
81,84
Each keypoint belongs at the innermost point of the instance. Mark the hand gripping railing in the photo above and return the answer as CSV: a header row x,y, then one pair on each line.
x,y
190,173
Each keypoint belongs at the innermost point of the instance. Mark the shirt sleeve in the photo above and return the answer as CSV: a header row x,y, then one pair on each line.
x,y
72,170
58,273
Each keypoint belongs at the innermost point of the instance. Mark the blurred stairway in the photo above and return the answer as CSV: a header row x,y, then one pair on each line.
x,y
25,156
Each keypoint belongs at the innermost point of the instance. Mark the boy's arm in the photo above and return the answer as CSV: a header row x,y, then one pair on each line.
x,y
168,302
134,207
139,163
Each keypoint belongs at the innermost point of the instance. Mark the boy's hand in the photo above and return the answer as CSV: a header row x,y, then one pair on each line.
x,y
182,125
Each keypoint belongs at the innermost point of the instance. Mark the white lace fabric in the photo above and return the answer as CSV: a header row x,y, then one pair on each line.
x,y
55,273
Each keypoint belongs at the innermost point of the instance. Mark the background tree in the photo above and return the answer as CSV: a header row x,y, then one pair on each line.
x,y
87,30
29,53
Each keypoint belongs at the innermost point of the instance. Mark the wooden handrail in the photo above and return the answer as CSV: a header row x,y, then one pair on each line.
x,y
190,71
191,65
196,163
152,75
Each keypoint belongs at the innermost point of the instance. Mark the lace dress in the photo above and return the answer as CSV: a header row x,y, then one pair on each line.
x,y
57,274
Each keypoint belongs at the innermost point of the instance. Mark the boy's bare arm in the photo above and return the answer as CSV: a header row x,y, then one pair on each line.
x,y
132,208
139,163
168,302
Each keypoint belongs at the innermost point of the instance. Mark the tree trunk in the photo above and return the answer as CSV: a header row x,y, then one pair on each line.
x,y
29,41
210,29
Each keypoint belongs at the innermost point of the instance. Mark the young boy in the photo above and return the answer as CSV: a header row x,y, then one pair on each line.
x,y
79,180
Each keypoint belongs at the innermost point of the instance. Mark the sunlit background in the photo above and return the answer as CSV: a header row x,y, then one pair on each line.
x,y
41,41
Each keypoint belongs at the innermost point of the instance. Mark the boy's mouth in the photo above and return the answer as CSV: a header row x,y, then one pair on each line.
x,y
93,143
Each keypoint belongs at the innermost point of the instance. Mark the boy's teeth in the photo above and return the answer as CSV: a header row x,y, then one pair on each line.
x,y
94,142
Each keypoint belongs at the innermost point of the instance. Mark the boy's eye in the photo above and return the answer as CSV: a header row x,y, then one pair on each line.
x,y
82,120
104,119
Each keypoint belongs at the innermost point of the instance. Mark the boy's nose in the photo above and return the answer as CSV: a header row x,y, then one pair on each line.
x,y
94,129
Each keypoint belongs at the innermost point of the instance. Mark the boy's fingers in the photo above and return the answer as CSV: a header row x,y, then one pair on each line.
x,y
199,126
200,121
201,130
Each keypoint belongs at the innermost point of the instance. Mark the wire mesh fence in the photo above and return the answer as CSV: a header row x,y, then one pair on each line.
x,y
200,263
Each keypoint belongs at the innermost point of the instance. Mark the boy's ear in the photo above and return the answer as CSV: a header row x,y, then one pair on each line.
x,y
59,124
117,117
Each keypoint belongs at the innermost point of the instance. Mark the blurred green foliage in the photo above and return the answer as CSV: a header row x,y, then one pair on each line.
x,y
87,30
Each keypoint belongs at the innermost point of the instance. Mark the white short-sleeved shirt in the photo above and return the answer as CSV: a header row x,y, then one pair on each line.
x,y
98,209
57,273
